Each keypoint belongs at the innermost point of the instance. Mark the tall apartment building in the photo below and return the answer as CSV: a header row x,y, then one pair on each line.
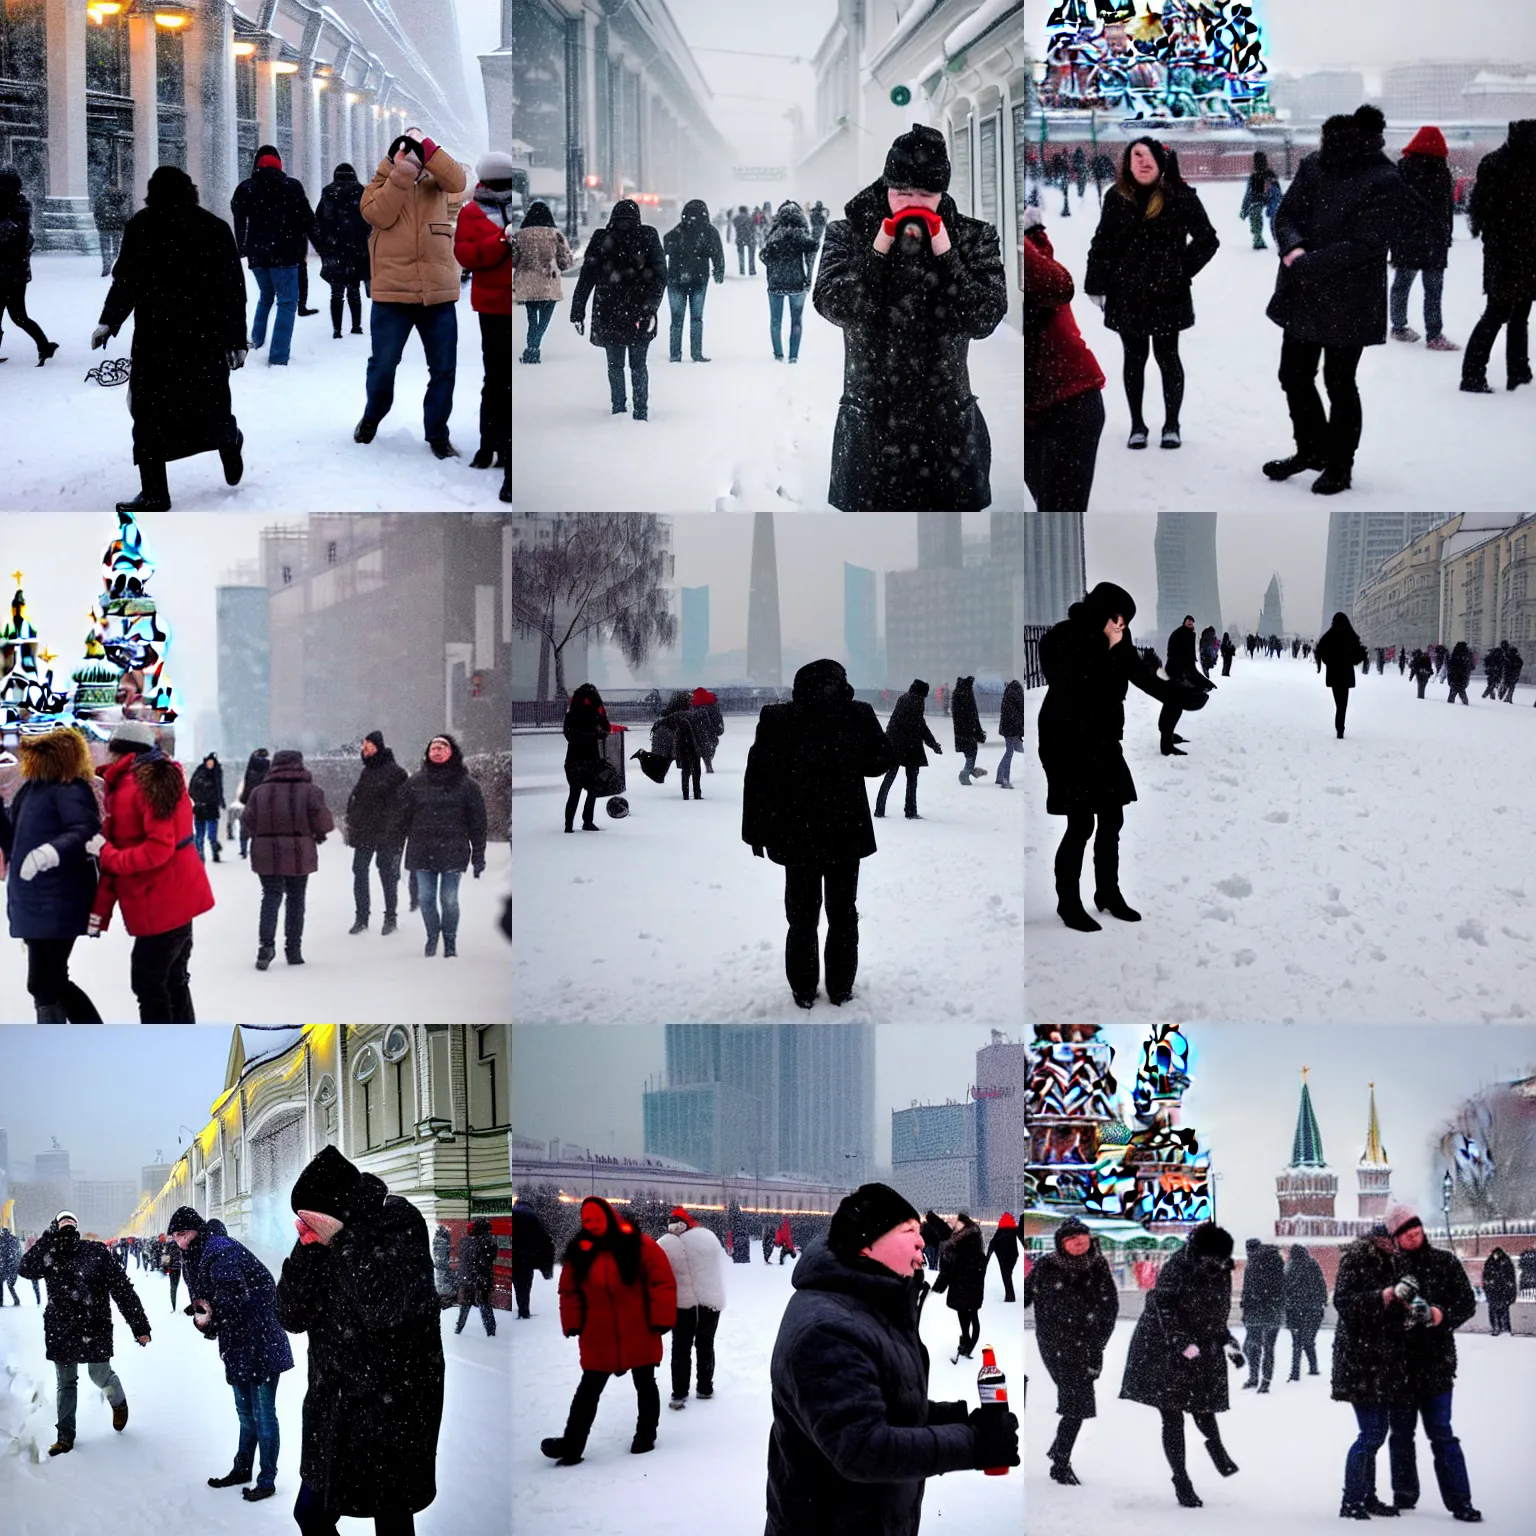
x,y
1359,543
1185,549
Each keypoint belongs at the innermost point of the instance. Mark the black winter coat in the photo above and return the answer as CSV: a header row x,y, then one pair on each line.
x,y
206,790
910,435
10,1255
744,229
1502,210
477,1258
1182,664
1426,244
1499,1284
854,1433
375,1400
55,903
1306,1291
1188,1305
1005,1245
1431,1352
531,1246
257,766
963,1270
371,805
1341,652
1263,1302
585,725
803,799
77,1322
341,231
16,238
1370,1358
440,818
274,223
788,255
1458,666
625,271
693,248
906,732
964,715
1144,267
1011,721
1076,1304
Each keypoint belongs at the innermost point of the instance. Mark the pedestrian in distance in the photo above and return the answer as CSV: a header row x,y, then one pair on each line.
x,y
694,254
1182,667
10,1261
207,791
744,227
371,832
962,1280
1010,726
698,1265
440,820
1502,213
1306,1299
1263,1307
1421,669
274,227
51,877
540,253
1076,1303
1424,247
234,1301
77,1323
341,237
170,1264
1514,665
911,282
1458,671
1493,670
585,726
1228,651
358,1282
1261,197
855,1434
1340,651
935,1232
1499,1290
287,820
708,724
482,244
1063,383
619,1297
1089,663
16,242
415,281
1005,1248
478,1250
442,1265
625,271
967,724
256,768
805,807
1153,237
785,1240
150,870
532,1253
789,258
818,218
179,276
906,734
110,212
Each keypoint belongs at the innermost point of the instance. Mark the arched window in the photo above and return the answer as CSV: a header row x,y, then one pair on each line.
x,y
400,1084
325,1109
365,1074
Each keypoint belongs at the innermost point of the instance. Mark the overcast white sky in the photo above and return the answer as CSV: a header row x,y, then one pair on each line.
x,y
479,23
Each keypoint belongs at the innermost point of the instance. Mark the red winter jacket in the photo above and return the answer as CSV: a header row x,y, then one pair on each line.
x,y
148,866
480,246
620,1325
1057,363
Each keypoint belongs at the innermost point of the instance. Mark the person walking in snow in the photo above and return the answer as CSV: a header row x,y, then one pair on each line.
x,y
207,793
1183,667
1421,669
1425,245
440,820
1502,213
540,253
532,1253
1340,651
967,725
1228,651
170,1265
698,1265
1493,670
16,243
789,257
110,212
371,831
694,253
482,244
818,217
478,1250
1514,665
1263,1307
1499,1289
744,228
1005,1248
1261,197
585,726
256,768
1010,726
962,1280
936,1232
287,820
906,734
1306,1299
274,227
341,237
625,271
1458,671
10,1261
708,724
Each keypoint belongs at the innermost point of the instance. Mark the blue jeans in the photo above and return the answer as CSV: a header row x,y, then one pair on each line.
x,y
1450,1464
434,887
282,285
1011,744
639,374
390,328
690,301
1402,285
67,1374
1360,1464
256,1404
540,313
208,829
776,320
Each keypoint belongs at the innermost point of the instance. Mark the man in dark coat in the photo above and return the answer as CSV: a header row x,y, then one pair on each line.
x,y
77,1323
371,829
1076,1303
207,791
256,768
966,720
1502,213
1010,726
855,1435
693,251
1182,667
16,243
287,819
803,804
179,276
1306,1299
359,1283
274,226
341,237
477,1263
1005,1248
935,1234
1438,1280
1263,1307
1493,670
234,1300
532,1252
744,230
818,216
906,734
625,271
1458,671
10,1261
110,212
911,282
1425,246
1334,226
1499,1289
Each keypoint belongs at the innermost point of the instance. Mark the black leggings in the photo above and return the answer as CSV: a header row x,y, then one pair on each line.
x,y
1166,350
1106,847
348,291
1340,706
1173,1435
570,805
1066,1437
48,981
970,1328
13,301
1061,451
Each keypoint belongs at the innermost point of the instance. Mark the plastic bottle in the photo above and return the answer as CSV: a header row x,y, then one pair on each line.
x,y
993,1387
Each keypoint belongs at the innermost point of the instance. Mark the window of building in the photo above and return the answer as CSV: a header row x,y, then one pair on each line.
x,y
325,1108
287,575
237,1147
484,1108
960,166
990,182
365,1073
396,1051
330,553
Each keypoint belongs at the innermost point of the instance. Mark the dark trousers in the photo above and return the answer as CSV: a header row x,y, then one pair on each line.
x,y
275,891
1106,852
688,765
695,1330
570,807
48,981
175,1282
1006,1271
476,1296
1259,1346
885,788
1340,706
388,860
1173,1436
1360,1463
745,252
1517,343
256,1408
1422,682
1434,288
970,1328
1498,1318
522,1290
1167,724
1304,1342
578,1424
1450,1464
207,827
496,390
390,328
1458,691
639,375
1226,666
807,887
349,293
687,300
309,1514
9,1284
111,243
13,302
540,313
1332,438
1061,450
160,975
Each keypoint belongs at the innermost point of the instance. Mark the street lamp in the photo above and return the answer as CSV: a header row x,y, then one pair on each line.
x,y
1447,1187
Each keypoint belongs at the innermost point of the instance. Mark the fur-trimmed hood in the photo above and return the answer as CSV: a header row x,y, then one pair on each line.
x,y
56,757
158,778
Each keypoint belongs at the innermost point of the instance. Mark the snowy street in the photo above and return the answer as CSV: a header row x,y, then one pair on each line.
x,y
739,434
1289,1447
182,1430
712,1456
68,443
667,916
1426,446
1284,875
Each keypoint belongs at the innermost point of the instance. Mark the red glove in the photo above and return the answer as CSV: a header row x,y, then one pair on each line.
x,y
428,149
897,219
307,1233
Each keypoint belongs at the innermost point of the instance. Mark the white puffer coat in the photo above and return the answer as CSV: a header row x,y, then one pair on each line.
x,y
698,1264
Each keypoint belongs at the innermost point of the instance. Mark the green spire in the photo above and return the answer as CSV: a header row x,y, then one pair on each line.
x,y
1307,1148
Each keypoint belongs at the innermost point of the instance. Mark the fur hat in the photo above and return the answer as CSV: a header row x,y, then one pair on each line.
x,y
919,158
1106,600
1208,1241
59,756
494,165
919,687
866,1215
1400,1217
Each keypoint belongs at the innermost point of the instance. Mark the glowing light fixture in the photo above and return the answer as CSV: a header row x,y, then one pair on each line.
x,y
282,67
244,50
109,7
171,20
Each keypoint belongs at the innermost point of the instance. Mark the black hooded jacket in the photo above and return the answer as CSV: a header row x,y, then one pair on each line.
x,y
1369,1342
1502,211
1263,1302
1188,1305
206,789
1011,721
16,237
788,255
1076,1303
907,730
81,1275
964,716
341,231
625,271
1306,1290
1340,651
693,248
1426,244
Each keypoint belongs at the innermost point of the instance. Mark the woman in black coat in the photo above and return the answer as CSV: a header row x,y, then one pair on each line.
x,y
341,237
1175,1363
1076,1303
16,242
1306,1299
1426,246
966,720
1089,662
1340,651
906,734
789,256
1499,1289
1458,671
1153,237
625,271
440,820
586,723
1010,726
962,1279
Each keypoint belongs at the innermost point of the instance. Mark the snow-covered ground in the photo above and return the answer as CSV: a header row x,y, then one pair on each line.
x,y
741,433
1289,1446
709,1470
1284,875
363,980
182,1430
666,916
1426,446
68,442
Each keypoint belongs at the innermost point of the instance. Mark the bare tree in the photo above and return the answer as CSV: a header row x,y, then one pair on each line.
x,y
598,574
1490,1147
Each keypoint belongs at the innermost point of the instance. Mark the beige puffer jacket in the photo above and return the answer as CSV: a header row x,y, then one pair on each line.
x,y
539,256
411,247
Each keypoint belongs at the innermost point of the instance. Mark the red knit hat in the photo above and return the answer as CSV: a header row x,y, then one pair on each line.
x,y
1427,141
1400,1217
679,1214
1006,1220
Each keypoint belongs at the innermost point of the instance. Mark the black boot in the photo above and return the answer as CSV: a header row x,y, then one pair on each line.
x,y
556,1450
1335,478
388,926
154,492
1352,1509
360,926
483,457
231,1479
1283,469
1061,1472
50,1013
1374,1506
229,456
1069,900
1223,1462
1186,1491
264,956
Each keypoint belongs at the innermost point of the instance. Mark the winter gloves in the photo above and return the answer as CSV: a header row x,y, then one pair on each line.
x,y
93,847
926,215
996,1438
42,858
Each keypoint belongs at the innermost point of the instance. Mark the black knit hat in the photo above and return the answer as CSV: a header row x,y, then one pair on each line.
x,y
919,158
1071,1227
185,1219
919,687
867,1214
377,738
1208,1241
1106,600
327,1185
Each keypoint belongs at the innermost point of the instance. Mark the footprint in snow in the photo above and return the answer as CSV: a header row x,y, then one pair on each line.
x,y
1244,957
1235,886
1218,914
1514,933
1278,817
1336,909
1472,928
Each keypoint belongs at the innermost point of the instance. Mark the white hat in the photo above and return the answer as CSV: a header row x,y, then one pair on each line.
x,y
66,1216
133,733
494,165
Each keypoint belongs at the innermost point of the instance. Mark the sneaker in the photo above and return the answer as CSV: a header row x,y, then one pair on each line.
x,y
1404,333
703,359
1138,438
1374,1506
705,1393
678,1402
1441,344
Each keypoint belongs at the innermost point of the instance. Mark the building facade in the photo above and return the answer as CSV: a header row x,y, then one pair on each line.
x,y
1185,549
998,1096
1486,591
1307,1190
933,1156
1055,566
861,626
1271,615
1400,602
695,631
1359,544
